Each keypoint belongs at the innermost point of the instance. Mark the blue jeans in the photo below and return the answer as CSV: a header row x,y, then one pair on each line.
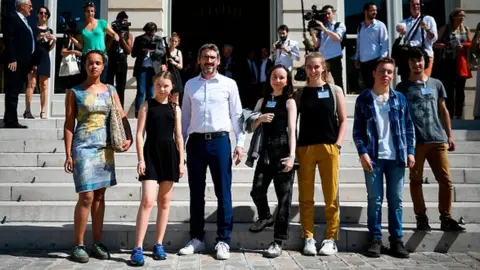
x,y
145,88
395,178
216,154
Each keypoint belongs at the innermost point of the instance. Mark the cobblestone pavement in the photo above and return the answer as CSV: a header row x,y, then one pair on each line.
x,y
246,260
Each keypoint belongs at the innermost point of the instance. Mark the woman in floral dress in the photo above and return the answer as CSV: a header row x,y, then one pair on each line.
x,y
89,155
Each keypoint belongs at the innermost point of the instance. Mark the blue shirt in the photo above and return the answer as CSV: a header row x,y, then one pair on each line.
x,y
365,134
328,47
372,41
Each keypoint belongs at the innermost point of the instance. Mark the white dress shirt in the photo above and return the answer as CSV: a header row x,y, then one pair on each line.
x,y
212,106
281,57
416,40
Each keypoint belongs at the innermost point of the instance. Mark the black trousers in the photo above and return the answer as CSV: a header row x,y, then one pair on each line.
x,y
14,84
335,67
367,69
283,183
455,88
120,77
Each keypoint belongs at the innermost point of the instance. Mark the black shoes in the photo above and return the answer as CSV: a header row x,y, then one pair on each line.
x,y
450,225
374,248
422,224
14,125
397,249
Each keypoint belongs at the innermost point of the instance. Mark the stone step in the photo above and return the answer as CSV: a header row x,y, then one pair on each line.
x,y
240,192
58,122
58,146
240,175
349,160
243,211
121,236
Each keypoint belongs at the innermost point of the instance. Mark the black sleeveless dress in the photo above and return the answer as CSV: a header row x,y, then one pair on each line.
x,y
43,68
160,151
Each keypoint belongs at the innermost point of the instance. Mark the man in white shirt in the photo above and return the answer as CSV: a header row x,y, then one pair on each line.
x,y
285,50
424,36
211,106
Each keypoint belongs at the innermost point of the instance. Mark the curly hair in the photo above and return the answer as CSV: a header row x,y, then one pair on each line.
x,y
167,75
287,90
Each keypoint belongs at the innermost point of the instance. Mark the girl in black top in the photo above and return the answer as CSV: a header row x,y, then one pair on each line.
x,y
174,62
277,155
322,128
45,42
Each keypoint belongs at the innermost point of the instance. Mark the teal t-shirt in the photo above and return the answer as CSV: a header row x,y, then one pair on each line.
x,y
95,39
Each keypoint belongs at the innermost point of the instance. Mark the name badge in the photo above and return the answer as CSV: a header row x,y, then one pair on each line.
x,y
323,94
271,104
385,108
427,91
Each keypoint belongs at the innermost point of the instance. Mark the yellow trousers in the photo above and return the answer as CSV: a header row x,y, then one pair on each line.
x,y
326,156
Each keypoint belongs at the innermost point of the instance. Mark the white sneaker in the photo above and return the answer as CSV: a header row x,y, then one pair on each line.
x,y
310,249
223,251
274,250
328,247
193,246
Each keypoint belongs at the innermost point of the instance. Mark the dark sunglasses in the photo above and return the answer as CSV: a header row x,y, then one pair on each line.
x,y
44,13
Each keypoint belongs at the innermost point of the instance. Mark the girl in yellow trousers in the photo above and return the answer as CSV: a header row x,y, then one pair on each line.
x,y
322,113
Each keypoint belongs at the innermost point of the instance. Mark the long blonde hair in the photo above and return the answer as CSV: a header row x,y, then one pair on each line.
x,y
314,55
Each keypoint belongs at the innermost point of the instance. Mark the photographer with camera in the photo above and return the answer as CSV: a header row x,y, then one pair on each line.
x,y
118,52
149,51
285,50
328,39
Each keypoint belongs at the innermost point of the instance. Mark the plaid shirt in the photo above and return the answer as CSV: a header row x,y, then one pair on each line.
x,y
365,133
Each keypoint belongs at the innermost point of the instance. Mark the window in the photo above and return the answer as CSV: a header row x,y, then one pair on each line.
x,y
353,17
72,9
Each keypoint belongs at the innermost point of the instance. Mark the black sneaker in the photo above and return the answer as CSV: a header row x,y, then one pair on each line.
x,y
422,224
261,224
397,249
374,248
450,225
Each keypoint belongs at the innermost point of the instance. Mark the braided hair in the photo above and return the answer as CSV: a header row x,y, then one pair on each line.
x,y
168,76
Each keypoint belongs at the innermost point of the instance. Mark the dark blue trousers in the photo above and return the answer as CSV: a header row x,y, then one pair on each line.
x,y
216,154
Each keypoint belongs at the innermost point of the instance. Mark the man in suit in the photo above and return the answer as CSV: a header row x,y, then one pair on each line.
x,y
250,90
20,45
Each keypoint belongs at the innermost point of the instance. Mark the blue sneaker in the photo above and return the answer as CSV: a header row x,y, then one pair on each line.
x,y
137,257
159,252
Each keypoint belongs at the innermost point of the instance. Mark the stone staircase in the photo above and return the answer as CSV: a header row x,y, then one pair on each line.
x,y
37,198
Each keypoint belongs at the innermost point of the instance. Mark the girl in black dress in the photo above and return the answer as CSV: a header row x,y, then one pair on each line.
x,y
160,161
46,43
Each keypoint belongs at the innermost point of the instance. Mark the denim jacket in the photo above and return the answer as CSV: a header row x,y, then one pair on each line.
x,y
365,133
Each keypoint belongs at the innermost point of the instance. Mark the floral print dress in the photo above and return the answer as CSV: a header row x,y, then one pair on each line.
x,y
92,154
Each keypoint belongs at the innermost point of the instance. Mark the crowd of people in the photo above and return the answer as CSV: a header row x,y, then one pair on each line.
x,y
188,124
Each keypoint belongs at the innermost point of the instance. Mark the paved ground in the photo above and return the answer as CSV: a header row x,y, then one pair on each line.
x,y
246,260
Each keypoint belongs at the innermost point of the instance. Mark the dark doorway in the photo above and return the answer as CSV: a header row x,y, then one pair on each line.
x,y
243,24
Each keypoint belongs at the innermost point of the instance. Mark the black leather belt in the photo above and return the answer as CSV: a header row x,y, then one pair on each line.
x,y
209,136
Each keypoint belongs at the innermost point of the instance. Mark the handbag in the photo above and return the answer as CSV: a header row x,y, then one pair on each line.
x,y
117,131
69,65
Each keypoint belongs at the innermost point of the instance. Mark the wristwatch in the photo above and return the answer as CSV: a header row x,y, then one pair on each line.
x,y
338,146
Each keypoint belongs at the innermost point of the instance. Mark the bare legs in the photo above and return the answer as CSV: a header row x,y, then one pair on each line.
x,y
32,83
94,200
148,199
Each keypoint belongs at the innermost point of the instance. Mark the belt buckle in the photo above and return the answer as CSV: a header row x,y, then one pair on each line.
x,y
208,136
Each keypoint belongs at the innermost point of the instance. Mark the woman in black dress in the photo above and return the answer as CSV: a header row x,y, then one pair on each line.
x,y
160,161
46,41
174,61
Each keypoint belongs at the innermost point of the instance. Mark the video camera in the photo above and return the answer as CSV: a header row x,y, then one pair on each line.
x,y
313,16
148,43
68,25
121,26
